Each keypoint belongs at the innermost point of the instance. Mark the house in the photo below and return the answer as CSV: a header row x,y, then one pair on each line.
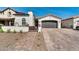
x,y
49,21
19,21
16,21
71,22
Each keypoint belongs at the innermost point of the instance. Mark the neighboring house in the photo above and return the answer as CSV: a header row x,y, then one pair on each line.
x,y
49,21
71,22
18,21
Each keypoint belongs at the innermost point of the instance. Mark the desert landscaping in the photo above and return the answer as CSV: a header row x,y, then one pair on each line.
x,y
47,40
22,41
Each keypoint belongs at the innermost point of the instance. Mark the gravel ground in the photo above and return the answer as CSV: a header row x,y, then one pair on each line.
x,y
30,41
48,40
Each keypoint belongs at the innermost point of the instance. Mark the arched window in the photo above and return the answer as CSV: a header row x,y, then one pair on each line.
x,y
23,22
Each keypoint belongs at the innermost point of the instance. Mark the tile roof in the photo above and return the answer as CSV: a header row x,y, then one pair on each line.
x,y
21,14
17,13
73,17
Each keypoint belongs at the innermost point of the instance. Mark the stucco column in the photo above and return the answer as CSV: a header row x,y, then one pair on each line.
x,y
74,24
9,23
59,24
39,26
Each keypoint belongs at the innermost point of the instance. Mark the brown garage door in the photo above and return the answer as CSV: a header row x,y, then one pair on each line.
x,y
49,24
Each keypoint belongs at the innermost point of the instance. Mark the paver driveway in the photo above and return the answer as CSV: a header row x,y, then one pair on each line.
x,y
61,39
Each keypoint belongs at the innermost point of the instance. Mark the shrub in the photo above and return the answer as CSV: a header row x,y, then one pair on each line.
x,y
1,30
77,28
20,31
0,27
14,31
8,31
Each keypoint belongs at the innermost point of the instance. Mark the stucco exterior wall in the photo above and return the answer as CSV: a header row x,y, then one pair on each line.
x,y
31,19
67,23
5,14
48,18
71,23
18,20
75,23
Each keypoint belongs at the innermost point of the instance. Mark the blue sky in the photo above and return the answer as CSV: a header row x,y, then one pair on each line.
x,y
62,12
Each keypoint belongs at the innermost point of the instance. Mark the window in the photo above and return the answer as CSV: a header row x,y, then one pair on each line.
x,y
9,14
12,23
23,22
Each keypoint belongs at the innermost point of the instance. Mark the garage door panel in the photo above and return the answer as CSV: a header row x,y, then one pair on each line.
x,y
49,24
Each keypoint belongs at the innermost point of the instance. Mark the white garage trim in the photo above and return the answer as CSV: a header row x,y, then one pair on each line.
x,y
75,21
48,17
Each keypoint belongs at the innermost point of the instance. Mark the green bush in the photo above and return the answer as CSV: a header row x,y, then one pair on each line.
x,y
8,31
0,27
20,31
1,30
14,31
77,28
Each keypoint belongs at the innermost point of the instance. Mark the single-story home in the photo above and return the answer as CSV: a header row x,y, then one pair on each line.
x,y
71,22
18,21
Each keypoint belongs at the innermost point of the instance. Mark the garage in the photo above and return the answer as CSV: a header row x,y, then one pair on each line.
x,y
49,21
49,24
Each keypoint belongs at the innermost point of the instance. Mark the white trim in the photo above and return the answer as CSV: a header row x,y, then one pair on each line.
x,y
48,18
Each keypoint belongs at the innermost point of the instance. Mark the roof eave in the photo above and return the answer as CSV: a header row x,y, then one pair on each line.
x,y
50,15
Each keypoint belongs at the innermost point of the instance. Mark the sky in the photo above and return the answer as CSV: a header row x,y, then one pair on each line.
x,y
62,12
